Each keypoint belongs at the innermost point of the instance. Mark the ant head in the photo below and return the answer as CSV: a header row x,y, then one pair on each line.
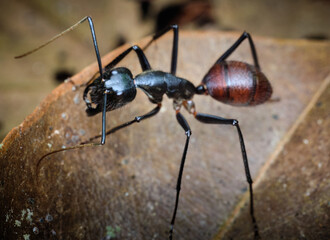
x,y
120,87
118,80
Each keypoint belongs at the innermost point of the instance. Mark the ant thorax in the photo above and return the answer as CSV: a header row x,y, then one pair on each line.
x,y
157,83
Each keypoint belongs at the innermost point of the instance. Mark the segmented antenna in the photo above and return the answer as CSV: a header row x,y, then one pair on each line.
x,y
91,144
53,39
68,30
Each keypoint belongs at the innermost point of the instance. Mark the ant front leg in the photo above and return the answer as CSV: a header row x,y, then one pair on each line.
x,y
89,143
137,119
236,44
144,65
143,62
211,119
184,124
174,58
139,52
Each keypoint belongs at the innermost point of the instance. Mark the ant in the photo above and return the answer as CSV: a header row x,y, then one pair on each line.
x,y
231,82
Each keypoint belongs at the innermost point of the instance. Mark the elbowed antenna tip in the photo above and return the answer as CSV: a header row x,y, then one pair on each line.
x,y
22,55
53,38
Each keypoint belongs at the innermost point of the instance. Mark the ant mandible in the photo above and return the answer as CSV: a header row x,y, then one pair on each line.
x,y
231,82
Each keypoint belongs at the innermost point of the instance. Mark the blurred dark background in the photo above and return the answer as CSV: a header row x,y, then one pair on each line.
x,y
26,24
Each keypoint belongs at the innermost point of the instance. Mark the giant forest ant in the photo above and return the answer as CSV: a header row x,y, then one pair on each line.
x,y
231,82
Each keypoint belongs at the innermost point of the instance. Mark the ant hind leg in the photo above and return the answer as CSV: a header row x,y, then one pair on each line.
x,y
211,119
184,124
238,42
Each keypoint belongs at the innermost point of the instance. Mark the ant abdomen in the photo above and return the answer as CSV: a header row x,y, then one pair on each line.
x,y
237,83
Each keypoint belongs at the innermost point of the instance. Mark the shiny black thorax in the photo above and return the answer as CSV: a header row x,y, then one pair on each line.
x,y
157,83
121,88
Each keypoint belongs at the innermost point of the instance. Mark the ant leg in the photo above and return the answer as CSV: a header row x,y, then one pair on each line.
x,y
91,26
139,52
137,119
144,65
236,44
104,114
143,59
211,119
175,44
184,124
90,144
143,62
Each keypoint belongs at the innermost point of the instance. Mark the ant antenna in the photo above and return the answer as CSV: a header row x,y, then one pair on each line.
x,y
91,144
91,25
66,31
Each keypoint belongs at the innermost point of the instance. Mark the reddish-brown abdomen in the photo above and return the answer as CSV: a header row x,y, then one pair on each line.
x,y
237,83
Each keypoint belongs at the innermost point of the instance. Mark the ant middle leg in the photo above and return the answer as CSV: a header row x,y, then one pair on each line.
x,y
143,59
211,119
139,52
174,58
